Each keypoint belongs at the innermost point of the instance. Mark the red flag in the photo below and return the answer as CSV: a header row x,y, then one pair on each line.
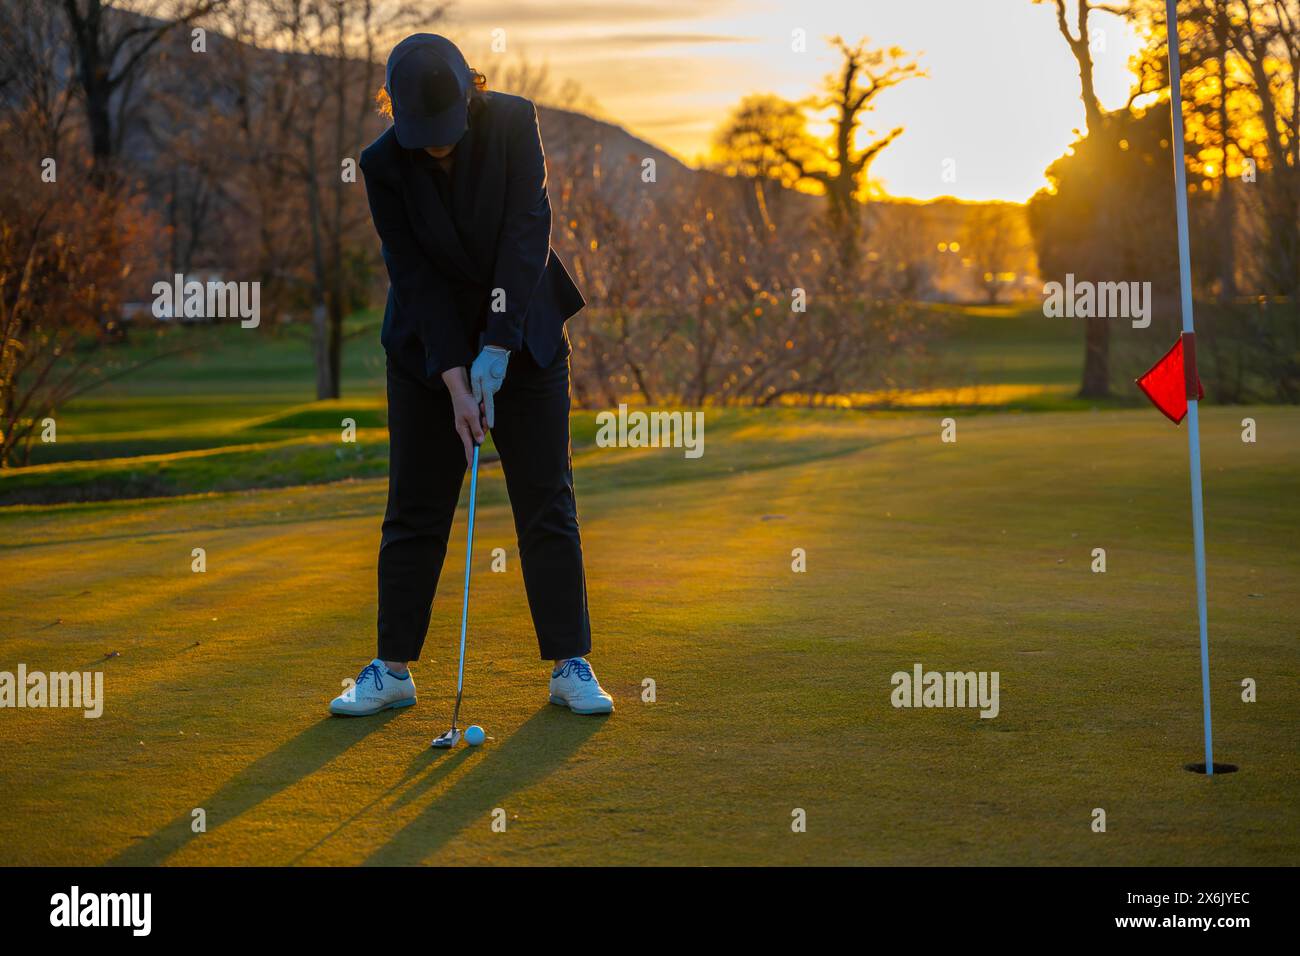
x,y
1172,380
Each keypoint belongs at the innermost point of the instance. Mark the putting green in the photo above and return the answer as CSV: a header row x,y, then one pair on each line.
x,y
773,687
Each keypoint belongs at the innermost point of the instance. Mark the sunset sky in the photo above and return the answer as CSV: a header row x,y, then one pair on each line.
x,y
1001,98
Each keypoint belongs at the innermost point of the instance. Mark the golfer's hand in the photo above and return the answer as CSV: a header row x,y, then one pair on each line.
x,y
464,410
485,378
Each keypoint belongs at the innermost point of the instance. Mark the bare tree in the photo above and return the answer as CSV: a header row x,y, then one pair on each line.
x,y
1080,40
304,76
865,74
994,239
1266,36
65,251
37,79
1096,356
111,45
1240,65
766,145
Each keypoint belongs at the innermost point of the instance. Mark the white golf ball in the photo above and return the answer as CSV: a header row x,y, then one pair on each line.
x,y
474,735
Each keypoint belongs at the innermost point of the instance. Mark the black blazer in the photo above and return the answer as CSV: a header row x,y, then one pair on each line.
x,y
441,298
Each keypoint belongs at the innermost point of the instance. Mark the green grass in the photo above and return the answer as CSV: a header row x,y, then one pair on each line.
x,y
1011,345
235,409
272,361
222,385
772,687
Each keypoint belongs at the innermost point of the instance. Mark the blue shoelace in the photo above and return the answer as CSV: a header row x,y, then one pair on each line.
x,y
578,666
371,670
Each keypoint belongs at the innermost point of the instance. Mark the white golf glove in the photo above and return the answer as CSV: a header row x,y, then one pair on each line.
x,y
486,376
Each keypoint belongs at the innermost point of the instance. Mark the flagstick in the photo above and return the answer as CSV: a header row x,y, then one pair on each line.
x,y
1193,415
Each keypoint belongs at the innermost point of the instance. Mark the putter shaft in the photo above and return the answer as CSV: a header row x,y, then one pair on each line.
x,y
464,608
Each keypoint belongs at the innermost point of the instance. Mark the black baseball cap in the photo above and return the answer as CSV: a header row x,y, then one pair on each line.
x,y
428,83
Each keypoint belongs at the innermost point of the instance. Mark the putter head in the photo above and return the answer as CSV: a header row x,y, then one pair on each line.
x,y
450,739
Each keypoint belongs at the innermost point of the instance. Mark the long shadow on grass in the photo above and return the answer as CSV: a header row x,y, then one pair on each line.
x,y
442,767
256,783
544,742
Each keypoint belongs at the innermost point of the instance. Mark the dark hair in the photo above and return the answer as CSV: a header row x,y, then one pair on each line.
x,y
477,94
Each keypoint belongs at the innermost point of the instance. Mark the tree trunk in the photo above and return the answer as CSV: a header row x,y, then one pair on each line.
x,y
324,338
1096,353
1225,209
1096,359
101,135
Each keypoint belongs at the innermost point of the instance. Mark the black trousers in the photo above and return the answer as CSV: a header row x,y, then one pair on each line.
x,y
426,470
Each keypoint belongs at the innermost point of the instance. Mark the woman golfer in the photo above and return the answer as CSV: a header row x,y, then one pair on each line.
x,y
474,331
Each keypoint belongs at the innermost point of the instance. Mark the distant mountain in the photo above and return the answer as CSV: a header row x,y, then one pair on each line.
x,y
563,127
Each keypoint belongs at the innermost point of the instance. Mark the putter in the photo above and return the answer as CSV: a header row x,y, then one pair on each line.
x,y
452,737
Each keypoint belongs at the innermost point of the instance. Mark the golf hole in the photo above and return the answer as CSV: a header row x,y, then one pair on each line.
x,y
1218,767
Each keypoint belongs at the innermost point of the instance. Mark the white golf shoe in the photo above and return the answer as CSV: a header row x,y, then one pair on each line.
x,y
376,689
573,685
